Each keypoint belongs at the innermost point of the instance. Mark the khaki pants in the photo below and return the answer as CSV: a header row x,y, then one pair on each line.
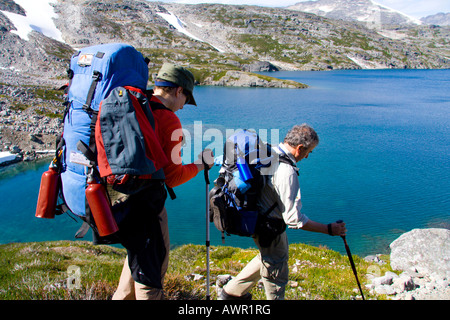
x,y
128,289
270,265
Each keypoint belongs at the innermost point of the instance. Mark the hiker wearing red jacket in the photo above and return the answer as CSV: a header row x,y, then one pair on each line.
x,y
173,89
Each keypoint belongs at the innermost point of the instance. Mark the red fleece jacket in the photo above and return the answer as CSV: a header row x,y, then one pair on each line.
x,y
169,130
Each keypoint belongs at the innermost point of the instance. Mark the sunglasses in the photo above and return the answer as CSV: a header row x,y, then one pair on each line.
x,y
187,95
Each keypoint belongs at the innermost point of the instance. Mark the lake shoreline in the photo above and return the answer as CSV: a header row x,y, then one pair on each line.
x,y
379,194
30,119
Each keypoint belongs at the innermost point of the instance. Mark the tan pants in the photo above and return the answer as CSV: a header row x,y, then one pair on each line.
x,y
128,289
270,265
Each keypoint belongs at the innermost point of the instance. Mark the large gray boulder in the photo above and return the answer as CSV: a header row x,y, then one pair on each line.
x,y
425,250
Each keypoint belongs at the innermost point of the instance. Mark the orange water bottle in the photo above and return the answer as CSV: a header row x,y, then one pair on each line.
x,y
100,208
48,194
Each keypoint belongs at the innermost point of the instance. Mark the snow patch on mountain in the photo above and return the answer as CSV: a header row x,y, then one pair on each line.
x,y
412,19
180,25
364,64
177,23
39,17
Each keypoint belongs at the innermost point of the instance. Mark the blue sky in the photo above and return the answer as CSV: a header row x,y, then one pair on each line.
x,y
413,8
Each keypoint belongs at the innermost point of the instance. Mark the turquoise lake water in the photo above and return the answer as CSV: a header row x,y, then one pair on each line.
x,y
382,165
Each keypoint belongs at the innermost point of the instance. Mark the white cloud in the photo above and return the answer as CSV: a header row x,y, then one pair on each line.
x,y
39,17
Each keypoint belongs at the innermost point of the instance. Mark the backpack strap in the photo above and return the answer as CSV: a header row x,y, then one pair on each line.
x,y
284,158
270,209
96,77
89,154
159,106
172,194
66,88
83,230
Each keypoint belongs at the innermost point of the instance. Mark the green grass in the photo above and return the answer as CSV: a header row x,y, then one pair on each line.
x,y
39,271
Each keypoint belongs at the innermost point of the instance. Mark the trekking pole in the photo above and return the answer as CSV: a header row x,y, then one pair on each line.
x,y
349,254
206,172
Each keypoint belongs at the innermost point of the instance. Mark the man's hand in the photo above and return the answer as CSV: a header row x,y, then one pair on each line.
x,y
207,156
338,228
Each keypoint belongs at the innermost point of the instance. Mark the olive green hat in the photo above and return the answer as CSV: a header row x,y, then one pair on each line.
x,y
171,75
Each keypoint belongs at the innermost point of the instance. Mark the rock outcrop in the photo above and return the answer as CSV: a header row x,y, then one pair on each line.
x,y
246,79
423,258
425,250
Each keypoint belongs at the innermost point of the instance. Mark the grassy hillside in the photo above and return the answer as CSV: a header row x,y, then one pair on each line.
x,y
41,270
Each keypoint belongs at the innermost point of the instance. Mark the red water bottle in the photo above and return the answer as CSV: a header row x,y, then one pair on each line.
x,y
100,208
48,194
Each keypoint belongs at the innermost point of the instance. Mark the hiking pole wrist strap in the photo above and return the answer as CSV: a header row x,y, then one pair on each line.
x,y
330,230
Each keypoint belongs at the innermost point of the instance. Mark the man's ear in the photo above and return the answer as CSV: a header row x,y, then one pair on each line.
x,y
179,91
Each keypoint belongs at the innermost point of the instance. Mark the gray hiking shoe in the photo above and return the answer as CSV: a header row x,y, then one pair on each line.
x,y
225,296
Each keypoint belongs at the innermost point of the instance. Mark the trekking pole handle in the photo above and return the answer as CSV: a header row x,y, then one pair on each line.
x,y
205,169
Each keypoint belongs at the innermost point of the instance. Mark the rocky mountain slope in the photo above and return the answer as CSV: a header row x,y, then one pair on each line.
x,y
219,43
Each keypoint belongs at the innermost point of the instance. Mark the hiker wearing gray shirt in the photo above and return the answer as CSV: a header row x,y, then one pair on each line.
x,y
271,264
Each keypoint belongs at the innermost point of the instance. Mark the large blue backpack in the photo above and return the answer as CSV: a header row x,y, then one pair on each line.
x,y
246,164
113,76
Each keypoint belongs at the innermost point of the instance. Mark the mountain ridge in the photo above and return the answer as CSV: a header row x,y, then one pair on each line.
x,y
373,14
440,18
